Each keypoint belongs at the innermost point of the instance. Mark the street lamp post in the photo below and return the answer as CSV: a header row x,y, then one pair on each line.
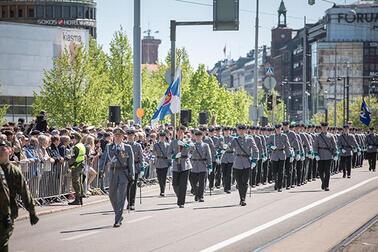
x,y
348,93
256,76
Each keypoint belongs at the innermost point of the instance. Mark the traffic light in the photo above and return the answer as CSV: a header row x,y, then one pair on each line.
x,y
311,2
278,99
270,102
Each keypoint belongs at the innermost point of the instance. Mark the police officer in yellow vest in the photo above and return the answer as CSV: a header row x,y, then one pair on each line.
x,y
77,166
12,184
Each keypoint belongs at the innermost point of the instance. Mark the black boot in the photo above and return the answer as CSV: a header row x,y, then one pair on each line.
x,y
75,202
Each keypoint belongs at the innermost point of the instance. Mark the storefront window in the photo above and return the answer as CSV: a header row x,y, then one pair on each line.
x,y
49,12
40,11
31,11
66,11
74,12
80,12
21,11
58,11
12,11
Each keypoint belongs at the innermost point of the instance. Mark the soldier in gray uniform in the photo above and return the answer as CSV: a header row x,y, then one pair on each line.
x,y
371,141
279,145
346,143
210,141
201,165
179,151
256,173
291,155
121,172
138,166
325,151
227,159
307,148
162,161
300,158
246,154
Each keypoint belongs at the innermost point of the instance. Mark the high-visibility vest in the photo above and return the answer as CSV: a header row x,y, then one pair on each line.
x,y
81,157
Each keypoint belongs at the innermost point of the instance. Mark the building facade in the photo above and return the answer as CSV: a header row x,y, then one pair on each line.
x,y
65,13
26,51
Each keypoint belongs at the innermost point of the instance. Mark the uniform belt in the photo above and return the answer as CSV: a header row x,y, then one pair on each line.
x,y
198,159
279,149
229,152
183,157
242,155
161,157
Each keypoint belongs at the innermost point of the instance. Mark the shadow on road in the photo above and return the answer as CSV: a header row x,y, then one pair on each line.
x,y
99,212
215,207
307,191
85,229
154,210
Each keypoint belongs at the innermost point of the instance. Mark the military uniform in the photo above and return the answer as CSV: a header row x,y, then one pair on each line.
x,y
347,144
324,150
210,142
201,164
227,161
256,173
280,147
162,162
371,142
181,167
121,173
246,155
12,184
138,166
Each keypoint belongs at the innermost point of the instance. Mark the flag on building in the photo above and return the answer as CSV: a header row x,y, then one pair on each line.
x,y
170,103
365,114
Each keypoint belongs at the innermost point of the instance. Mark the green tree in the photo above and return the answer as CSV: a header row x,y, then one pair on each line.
x,y
121,73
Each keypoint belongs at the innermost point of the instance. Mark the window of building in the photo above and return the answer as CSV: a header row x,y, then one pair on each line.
x,y
91,11
49,12
40,11
73,12
58,11
30,11
372,67
21,11
86,12
4,11
12,11
66,11
80,12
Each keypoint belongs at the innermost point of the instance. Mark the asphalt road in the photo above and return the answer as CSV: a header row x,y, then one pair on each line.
x,y
217,224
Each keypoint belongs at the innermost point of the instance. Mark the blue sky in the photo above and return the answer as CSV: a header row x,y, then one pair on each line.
x,y
204,45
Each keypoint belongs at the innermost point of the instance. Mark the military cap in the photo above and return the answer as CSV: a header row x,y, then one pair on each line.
x,y
277,126
218,128
226,128
242,127
4,144
181,127
346,126
118,131
324,124
371,128
130,131
211,129
198,133
285,123
162,133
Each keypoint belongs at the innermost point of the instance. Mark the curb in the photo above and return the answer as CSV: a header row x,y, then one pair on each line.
x,y
24,217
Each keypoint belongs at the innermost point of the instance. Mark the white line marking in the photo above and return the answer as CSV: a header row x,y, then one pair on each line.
x,y
269,224
140,219
80,236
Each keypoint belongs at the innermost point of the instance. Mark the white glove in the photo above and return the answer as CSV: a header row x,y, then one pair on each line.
x,y
317,158
291,159
225,146
218,161
180,143
298,157
253,165
335,158
178,155
302,158
370,147
273,147
343,151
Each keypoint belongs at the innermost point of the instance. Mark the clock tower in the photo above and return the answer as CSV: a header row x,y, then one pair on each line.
x,y
281,34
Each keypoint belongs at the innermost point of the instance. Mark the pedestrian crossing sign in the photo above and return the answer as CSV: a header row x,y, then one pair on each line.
x,y
269,71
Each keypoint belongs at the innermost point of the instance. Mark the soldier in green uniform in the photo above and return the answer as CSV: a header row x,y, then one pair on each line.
x,y
77,167
12,184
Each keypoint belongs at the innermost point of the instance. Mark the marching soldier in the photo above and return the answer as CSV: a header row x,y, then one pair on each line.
x,y
246,154
346,143
292,155
77,167
371,141
325,151
163,161
256,173
181,165
138,166
121,172
12,184
279,145
201,165
227,159
210,141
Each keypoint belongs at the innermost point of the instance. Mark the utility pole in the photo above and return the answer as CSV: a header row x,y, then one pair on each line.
x,y
335,83
348,87
137,86
304,88
256,76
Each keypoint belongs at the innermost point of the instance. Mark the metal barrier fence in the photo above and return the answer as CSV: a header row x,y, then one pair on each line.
x,y
51,182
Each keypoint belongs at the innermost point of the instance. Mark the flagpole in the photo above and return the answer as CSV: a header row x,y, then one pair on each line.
x,y
173,68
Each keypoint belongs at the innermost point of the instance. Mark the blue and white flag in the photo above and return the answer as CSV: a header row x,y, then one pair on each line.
x,y
170,103
365,114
